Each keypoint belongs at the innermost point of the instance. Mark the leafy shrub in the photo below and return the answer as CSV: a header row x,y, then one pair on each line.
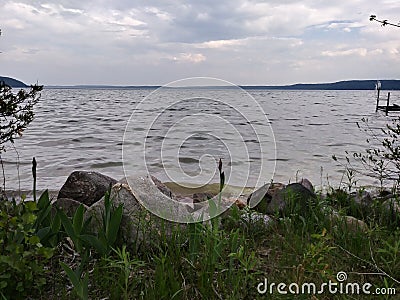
x,y
16,111
381,158
23,257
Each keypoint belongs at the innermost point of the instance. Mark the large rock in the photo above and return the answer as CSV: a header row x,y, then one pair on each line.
x,y
86,187
293,198
147,215
157,182
134,219
69,206
162,187
347,222
260,198
201,197
307,184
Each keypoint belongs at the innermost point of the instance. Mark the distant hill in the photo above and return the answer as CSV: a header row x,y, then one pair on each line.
x,y
340,85
13,82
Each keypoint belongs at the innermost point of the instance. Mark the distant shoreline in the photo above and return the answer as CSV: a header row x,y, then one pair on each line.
x,y
336,86
387,84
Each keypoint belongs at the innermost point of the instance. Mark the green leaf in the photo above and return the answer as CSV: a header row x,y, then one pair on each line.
x,y
86,224
66,222
44,200
71,275
114,225
29,218
212,208
56,224
107,211
43,214
85,287
34,240
30,205
100,247
78,220
43,233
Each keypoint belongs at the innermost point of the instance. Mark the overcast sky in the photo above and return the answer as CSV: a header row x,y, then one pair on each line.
x,y
149,42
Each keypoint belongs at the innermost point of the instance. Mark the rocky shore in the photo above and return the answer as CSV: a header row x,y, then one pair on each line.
x,y
266,204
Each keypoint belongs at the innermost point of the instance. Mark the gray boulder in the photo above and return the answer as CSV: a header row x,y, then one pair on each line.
x,y
260,199
201,197
69,206
86,187
307,184
162,187
148,214
291,198
347,222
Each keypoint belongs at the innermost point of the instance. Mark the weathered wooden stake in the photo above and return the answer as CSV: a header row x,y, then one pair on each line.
x,y
387,104
377,99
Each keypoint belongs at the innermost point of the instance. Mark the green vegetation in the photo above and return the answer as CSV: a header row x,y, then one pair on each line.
x,y
194,261
16,111
47,255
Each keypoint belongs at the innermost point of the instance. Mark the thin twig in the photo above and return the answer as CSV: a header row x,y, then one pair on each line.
x,y
18,163
374,265
383,22
4,175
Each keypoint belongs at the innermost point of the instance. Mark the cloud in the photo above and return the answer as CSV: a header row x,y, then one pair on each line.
x,y
153,41
190,57
358,51
220,44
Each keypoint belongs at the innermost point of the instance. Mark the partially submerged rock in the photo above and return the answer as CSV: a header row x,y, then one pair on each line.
x,y
86,187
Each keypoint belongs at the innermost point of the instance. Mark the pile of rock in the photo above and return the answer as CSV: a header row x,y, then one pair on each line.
x,y
145,193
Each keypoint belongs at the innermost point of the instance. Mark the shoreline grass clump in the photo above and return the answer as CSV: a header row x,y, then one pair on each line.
x,y
227,259
48,255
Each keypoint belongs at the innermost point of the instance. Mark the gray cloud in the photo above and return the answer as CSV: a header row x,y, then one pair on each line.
x,y
154,42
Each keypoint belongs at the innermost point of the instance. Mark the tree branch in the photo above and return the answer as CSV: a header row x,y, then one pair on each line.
x,y
383,22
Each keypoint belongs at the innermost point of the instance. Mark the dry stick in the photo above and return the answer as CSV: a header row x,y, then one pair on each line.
x,y
34,165
4,175
19,178
374,265
385,22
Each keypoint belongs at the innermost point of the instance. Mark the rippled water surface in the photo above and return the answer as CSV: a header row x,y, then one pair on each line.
x,y
83,129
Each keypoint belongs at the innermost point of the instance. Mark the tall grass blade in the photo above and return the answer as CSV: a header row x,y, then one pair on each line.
x,y
114,224
71,275
78,220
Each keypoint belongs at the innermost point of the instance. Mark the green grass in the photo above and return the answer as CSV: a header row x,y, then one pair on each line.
x,y
198,261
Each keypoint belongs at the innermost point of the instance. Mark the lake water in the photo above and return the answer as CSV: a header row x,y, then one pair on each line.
x,y
83,129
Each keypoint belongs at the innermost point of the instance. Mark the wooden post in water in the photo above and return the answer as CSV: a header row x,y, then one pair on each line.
x,y
387,104
378,87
